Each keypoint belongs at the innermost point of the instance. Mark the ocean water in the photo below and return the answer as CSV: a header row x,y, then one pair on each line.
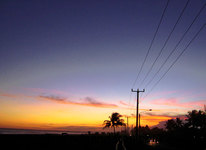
x,y
30,131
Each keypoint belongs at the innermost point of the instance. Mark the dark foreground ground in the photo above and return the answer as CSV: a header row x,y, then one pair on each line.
x,y
78,142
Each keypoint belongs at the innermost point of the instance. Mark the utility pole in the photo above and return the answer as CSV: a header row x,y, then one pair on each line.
x,y
139,120
137,114
127,125
127,121
139,125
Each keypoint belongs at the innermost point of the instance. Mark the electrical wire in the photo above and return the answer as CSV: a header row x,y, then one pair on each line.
x,y
165,43
155,34
151,43
176,59
176,45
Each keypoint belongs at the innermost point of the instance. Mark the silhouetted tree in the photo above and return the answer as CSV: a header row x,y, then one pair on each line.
x,y
173,124
196,119
114,121
146,133
170,125
144,130
191,131
157,133
179,123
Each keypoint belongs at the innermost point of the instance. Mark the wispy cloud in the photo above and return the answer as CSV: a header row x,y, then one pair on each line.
x,y
54,98
93,102
165,114
124,103
178,103
87,101
161,123
9,95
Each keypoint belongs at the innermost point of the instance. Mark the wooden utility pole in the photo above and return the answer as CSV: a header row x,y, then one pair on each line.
x,y
139,125
127,125
137,113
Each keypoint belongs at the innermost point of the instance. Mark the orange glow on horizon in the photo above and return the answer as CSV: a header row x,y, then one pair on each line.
x,y
30,113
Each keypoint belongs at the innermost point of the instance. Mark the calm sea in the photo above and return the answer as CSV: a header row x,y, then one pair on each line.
x,y
29,131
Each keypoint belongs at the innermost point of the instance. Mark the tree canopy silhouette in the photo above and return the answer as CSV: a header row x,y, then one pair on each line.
x,y
192,130
196,119
114,121
173,124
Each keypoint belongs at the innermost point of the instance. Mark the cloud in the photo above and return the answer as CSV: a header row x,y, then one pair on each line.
x,y
177,103
80,128
54,98
159,114
161,124
10,95
164,114
158,119
123,103
87,101
94,102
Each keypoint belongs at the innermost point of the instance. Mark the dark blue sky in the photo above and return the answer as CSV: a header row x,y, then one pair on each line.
x,y
95,48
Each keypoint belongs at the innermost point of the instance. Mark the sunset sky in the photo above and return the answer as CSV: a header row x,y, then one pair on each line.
x,y
68,64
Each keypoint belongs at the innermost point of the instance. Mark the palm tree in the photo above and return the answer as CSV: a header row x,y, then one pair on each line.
x,y
114,121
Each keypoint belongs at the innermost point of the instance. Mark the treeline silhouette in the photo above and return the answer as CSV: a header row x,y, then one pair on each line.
x,y
186,134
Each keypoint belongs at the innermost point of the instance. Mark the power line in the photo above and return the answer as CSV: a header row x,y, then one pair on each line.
x,y
165,43
155,34
176,45
151,43
177,58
